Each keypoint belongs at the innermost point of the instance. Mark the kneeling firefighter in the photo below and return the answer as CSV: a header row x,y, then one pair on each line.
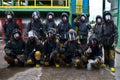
x,y
14,49
93,51
71,48
51,48
33,50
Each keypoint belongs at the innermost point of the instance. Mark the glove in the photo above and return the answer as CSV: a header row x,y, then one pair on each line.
x,y
88,51
96,60
53,53
114,44
21,57
16,61
8,51
40,29
99,60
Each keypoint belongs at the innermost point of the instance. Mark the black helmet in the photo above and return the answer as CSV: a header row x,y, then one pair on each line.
x,y
16,34
107,16
93,40
10,13
106,13
64,17
50,16
36,13
16,31
98,19
83,17
51,13
64,14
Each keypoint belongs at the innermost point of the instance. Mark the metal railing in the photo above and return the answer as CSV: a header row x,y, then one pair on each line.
x,y
34,3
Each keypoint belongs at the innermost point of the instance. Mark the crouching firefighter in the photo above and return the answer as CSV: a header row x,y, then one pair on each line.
x,y
33,50
93,51
70,47
51,48
14,49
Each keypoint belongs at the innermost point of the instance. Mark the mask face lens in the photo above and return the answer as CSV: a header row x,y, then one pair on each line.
x,y
30,34
35,17
99,20
94,42
9,16
108,17
72,36
50,17
16,36
64,18
82,18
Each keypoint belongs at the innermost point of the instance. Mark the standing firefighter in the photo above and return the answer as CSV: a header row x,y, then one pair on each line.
x,y
36,25
109,40
97,30
9,25
83,28
50,23
14,49
63,28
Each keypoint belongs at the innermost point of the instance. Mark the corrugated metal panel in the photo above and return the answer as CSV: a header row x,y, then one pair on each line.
x,y
73,6
85,7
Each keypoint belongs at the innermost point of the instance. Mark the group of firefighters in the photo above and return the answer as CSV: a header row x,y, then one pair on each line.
x,y
60,45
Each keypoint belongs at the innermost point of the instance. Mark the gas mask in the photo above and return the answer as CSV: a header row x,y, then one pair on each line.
x,y
94,42
16,36
50,17
9,17
72,36
31,36
82,18
50,35
36,18
99,21
108,18
64,19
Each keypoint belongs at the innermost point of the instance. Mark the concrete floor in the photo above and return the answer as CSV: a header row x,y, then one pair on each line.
x,y
52,73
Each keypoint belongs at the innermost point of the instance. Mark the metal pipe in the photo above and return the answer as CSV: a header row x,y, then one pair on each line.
x,y
118,23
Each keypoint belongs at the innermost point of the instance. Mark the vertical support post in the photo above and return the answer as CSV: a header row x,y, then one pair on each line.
x,y
26,2
51,3
103,5
118,23
34,2
1,2
19,2
13,3
66,2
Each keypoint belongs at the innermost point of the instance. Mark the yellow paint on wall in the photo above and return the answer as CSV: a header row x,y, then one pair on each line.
x,y
79,6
